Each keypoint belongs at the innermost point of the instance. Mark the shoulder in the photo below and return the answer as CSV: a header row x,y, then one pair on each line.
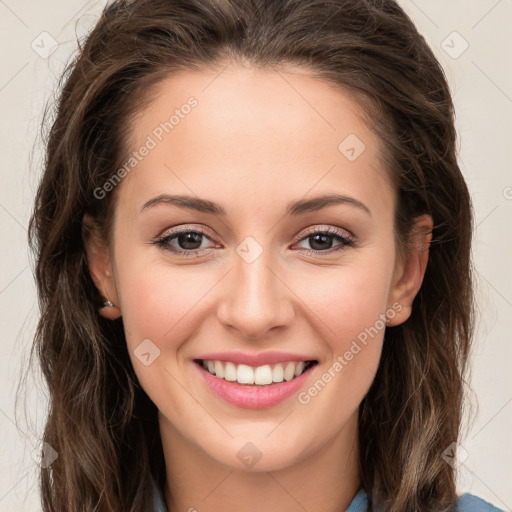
x,y
465,503
469,503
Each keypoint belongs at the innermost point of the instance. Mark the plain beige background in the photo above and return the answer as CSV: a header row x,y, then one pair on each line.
x,y
472,39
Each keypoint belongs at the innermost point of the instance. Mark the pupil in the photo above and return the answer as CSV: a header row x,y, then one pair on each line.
x,y
315,239
185,239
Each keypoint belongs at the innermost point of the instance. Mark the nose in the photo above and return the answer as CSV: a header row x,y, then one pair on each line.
x,y
255,299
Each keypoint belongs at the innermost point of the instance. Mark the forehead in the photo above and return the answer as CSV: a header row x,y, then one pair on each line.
x,y
247,134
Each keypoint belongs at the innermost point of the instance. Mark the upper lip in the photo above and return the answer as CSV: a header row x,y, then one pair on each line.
x,y
255,360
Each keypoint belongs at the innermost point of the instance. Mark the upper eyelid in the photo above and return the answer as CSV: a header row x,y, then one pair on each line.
x,y
179,230
329,229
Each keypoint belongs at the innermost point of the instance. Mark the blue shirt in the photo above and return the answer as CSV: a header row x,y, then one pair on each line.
x,y
466,503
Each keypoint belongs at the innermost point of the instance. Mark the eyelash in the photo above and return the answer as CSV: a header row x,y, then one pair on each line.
x,y
345,241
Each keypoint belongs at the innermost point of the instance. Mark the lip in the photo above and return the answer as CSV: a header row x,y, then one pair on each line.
x,y
256,360
252,396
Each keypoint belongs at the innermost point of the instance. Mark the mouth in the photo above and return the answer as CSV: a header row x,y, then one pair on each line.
x,y
260,376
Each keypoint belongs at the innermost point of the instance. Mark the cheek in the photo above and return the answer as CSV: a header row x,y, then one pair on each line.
x,y
347,300
161,304
351,305
351,326
158,300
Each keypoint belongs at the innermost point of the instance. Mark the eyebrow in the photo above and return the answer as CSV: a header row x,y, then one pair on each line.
x,y
293,208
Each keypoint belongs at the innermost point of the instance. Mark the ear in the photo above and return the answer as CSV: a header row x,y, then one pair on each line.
x,y
100,266
410,270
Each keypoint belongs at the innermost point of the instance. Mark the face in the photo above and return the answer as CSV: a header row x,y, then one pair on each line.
x,y
251,268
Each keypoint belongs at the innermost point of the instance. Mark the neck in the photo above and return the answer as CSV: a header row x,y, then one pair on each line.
x,y
325,481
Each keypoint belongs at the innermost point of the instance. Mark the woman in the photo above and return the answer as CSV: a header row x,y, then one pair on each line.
x,y
253,259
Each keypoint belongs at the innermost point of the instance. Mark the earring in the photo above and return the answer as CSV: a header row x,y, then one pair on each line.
x,y
109,304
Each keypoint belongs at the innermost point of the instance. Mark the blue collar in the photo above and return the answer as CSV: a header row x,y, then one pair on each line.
x,y
466,503
358,504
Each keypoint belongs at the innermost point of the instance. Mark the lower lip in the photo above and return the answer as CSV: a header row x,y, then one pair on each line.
x,y
253,396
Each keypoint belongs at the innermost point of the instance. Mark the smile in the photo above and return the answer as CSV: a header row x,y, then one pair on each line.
x,y
253,387
260,375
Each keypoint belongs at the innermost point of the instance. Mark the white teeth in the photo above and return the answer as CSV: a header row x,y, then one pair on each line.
x,y
261,376
299,368
230,372
219,369
289,371
277,373
244,374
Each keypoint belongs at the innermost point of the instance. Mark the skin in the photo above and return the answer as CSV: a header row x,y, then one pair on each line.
x,y
257,140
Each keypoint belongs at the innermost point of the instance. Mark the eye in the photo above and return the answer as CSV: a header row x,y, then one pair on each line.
x,y
189,242
185,242
321,241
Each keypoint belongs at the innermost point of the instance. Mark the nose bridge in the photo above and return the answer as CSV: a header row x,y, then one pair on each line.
x,y
255,299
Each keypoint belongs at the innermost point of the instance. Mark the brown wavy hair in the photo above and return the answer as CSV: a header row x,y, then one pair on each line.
x,y
102,424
